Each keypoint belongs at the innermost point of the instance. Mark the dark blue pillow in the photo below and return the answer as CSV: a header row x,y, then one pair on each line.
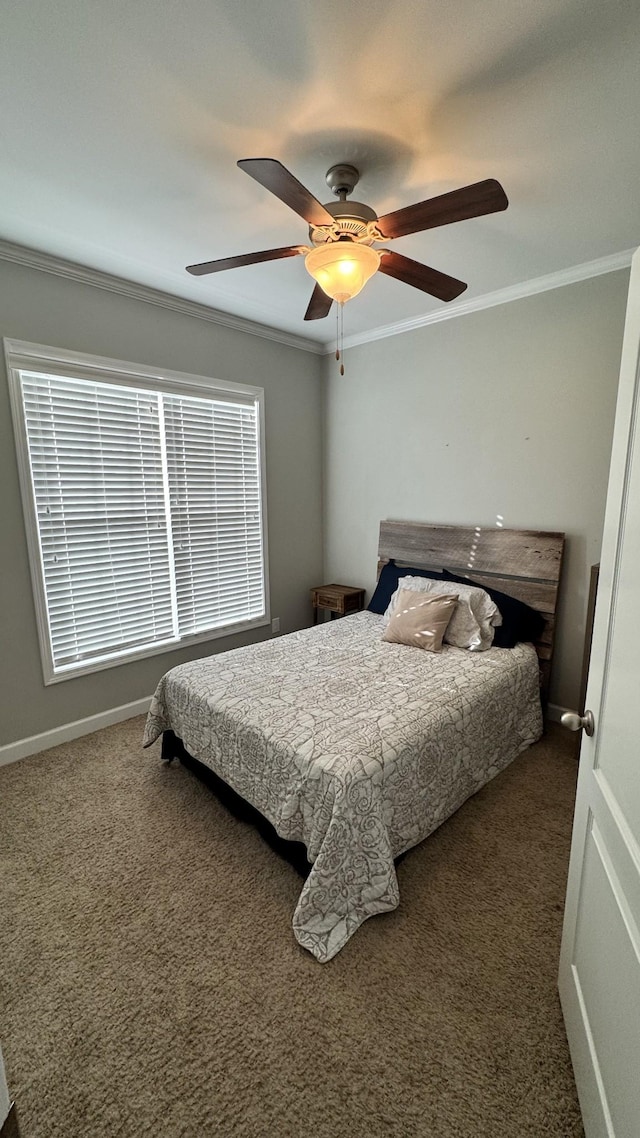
x,y
519,621
388,583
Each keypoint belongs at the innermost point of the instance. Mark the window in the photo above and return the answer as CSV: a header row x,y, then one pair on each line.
x,y
144,506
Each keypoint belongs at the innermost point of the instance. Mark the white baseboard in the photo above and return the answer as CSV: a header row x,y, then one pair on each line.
x,y
555,712
11,752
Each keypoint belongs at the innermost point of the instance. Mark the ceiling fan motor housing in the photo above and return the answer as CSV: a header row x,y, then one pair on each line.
x,y
351,217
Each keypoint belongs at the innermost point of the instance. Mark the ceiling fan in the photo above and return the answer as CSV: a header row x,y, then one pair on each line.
x,y
341,257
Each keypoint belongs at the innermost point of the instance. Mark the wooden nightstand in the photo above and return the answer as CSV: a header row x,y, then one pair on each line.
x,y
341,600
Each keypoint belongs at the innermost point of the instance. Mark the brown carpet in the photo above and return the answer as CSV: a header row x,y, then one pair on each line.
x,y
152,984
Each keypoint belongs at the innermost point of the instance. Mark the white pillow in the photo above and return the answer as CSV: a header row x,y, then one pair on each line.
x,y
474,618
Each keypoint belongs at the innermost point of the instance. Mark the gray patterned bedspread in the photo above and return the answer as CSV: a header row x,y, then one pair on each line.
x,y
356,747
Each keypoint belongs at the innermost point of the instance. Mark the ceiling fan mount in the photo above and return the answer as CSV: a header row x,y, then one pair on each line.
x,y
342,258
342,179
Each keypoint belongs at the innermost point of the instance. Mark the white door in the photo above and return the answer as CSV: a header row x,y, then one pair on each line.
x,y
600,958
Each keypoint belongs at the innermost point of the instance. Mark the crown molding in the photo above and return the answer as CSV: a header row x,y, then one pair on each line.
x,y
563,277
82,274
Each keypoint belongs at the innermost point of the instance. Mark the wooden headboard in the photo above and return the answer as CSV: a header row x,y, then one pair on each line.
x,y
523,563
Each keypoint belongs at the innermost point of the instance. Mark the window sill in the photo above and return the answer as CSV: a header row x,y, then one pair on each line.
x,y
85,668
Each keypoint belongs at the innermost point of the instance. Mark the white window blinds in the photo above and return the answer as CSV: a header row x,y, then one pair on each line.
x,y
149,515
214,488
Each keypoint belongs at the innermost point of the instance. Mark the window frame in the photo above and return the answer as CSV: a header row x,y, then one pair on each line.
x,y
20,355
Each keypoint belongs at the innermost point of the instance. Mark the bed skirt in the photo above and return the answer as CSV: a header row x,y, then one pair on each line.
x,y
293,852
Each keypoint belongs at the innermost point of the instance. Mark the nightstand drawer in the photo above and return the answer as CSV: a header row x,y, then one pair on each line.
x,y
325,600
340,600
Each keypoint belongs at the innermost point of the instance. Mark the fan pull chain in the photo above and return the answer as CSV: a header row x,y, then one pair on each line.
x,y
340,334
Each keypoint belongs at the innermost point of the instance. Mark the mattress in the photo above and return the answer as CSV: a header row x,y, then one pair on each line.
x,y
354,746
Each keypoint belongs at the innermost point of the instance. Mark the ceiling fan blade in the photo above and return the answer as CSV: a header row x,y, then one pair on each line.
x,y
458,205
420,276
319,305
244,259
275,177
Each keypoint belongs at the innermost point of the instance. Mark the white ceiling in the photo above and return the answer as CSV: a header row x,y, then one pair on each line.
x,y
122,121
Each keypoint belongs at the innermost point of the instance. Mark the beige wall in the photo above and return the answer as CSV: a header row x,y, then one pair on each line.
x,y
45,309
508,411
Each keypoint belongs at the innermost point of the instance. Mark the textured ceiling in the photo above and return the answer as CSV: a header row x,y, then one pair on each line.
x,y
122,122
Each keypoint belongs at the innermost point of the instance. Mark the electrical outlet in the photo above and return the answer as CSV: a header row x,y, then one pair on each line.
x,y
275,624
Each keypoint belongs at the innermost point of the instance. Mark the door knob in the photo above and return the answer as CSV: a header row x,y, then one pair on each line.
x,y
576,722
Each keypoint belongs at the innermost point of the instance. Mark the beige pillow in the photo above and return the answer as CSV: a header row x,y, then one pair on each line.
x,y
474,619
420,620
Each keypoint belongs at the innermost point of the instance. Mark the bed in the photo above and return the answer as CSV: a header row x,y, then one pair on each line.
x,y
358,748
